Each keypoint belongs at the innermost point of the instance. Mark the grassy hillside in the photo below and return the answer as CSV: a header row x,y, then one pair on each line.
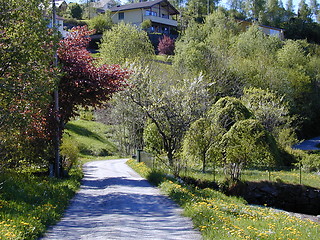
x,y
91,138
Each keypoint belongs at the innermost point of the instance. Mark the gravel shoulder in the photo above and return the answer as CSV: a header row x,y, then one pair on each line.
x,y
114,202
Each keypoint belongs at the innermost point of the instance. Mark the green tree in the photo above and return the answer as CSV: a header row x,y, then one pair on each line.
x,y
289,10
247,143
164,98
125,42
75,10
274,13
146,24
273,113
226,112
27,80
314,7
254,8
289,6
198,9
200,143
101,22
204,49
304,12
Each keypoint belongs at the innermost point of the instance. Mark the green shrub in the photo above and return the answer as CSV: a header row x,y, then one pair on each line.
x,y
101,23
311,162
146,24
70,152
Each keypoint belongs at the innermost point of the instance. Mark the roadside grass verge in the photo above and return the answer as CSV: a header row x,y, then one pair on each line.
x,y
29,204
218,216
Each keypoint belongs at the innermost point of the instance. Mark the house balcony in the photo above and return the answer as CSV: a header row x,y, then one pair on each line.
x,y
161,20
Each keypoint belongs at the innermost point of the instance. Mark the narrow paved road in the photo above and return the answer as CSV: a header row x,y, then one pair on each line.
x,y
114,202
308,145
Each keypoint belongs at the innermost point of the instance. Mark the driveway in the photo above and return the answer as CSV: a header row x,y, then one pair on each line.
x,y
308,145
114,202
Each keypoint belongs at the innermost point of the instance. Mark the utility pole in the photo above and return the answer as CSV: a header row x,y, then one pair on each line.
x,y
56,103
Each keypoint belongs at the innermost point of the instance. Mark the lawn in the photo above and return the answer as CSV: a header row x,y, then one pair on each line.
x,y
218,216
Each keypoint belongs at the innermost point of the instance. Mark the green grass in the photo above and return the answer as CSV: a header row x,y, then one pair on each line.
x,y
87,158
91,137
28,204
218,216
164,58
290,176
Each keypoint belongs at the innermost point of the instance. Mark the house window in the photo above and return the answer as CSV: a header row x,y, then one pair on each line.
x,y
121,15
150,13
165,16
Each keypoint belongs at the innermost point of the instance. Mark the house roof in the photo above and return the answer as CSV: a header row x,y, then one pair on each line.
x,y
103,3
163,3
264,26
59,2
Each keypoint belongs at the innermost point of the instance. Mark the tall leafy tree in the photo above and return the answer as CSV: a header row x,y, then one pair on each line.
x,y
273,113
75,10
84,83
247,143
314,7
289,10
254,8
304,12
290,6
26,79
274,13
198,9
200,143
125,42
170,103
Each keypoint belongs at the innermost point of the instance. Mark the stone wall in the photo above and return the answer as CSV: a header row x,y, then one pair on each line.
x,y
289,197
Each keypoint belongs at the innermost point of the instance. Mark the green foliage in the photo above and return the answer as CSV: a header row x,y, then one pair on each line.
x,y
75,11
146,24
247,143
227,111
232,60
152,139
293,54
204,49
27,80
125,42
273,113
311,162
29,204
69,152
101,22
200,143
